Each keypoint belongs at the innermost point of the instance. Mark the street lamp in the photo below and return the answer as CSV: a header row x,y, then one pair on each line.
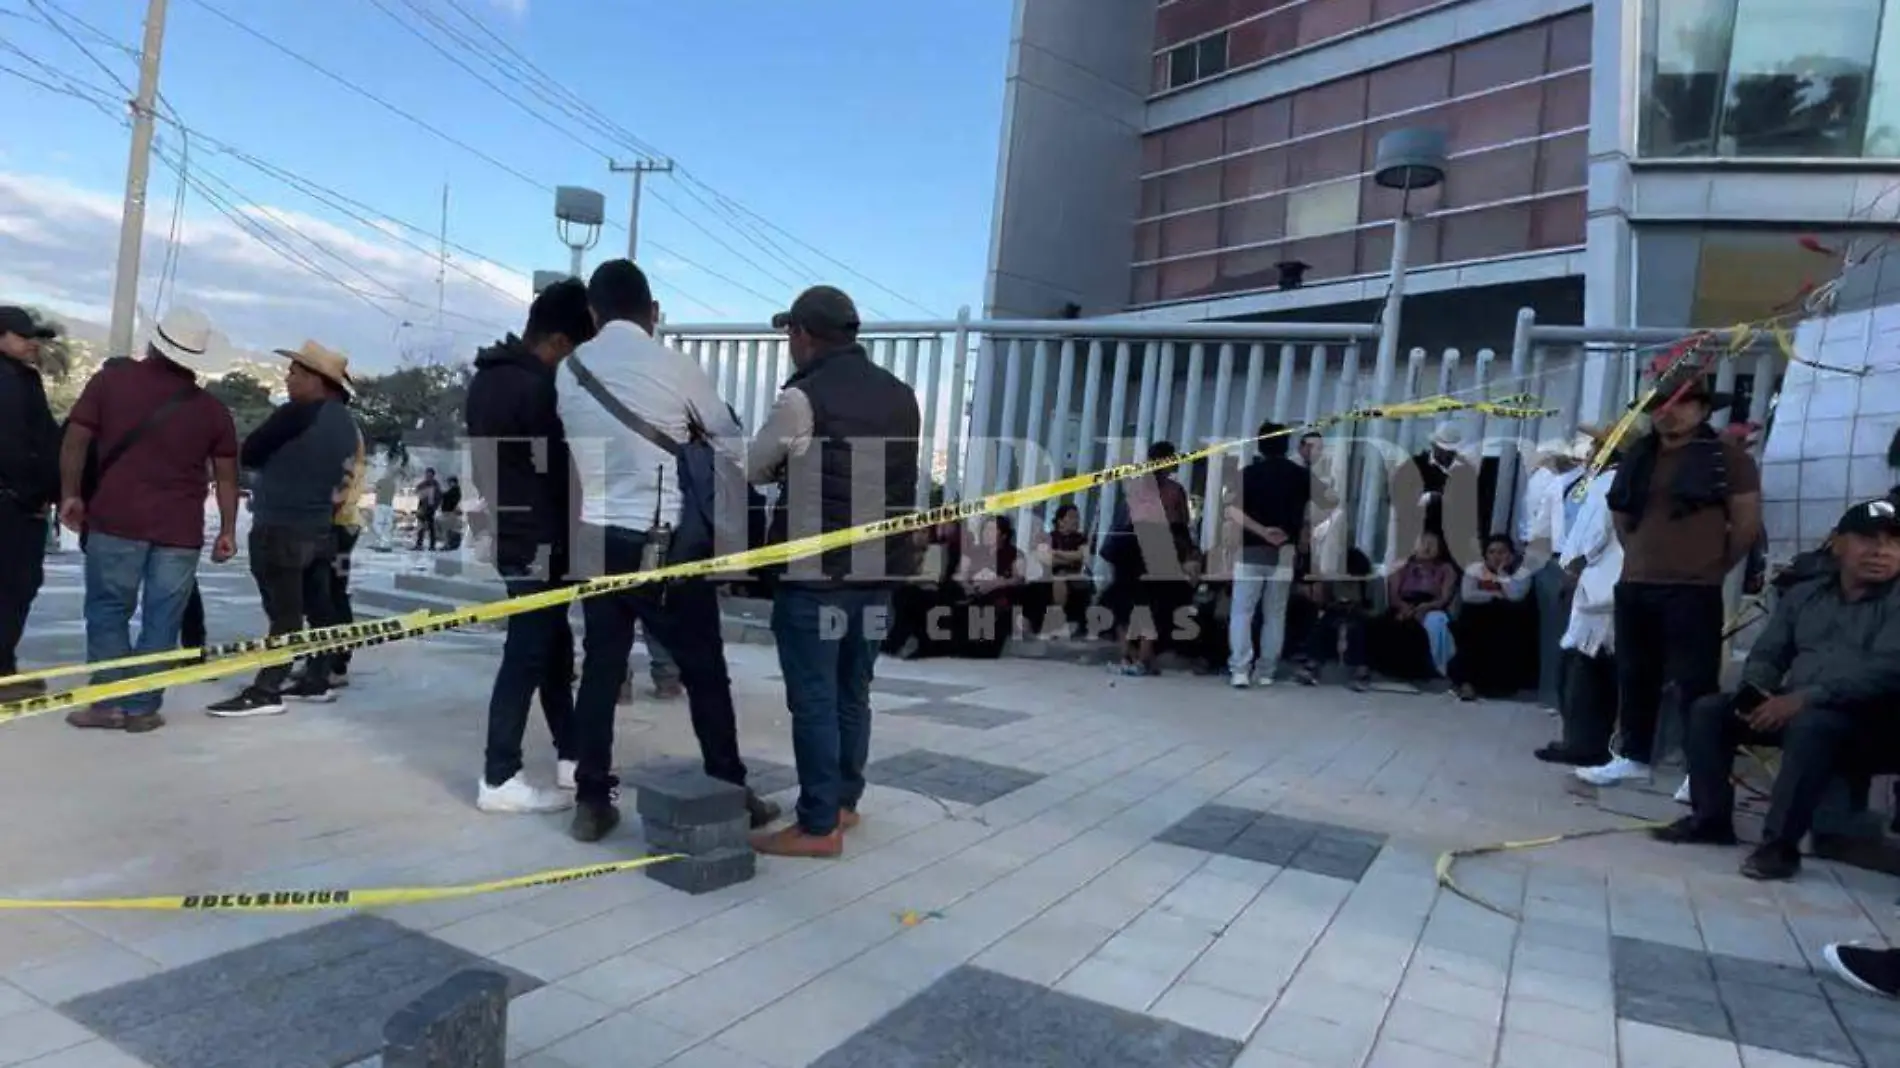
x,y
578,213
1406,159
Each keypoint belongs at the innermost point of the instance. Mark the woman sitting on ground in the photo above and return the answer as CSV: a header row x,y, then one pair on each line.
x,y
991,576
1061,600
922,609
1412,639
1495,628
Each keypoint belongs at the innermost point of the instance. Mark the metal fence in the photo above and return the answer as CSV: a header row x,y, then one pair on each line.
x,y
1010,403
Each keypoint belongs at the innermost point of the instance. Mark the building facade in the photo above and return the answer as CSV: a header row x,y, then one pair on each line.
x,y
1616,163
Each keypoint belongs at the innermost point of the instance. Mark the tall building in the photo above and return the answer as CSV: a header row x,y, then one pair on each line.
x,y
1658,163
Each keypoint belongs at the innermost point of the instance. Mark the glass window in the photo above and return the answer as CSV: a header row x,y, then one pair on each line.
x,y
1500,60
1264,38
1494,118
1194,232
1197,60
1566,102
1562,162
1883,115
1322,209
1253,221
1329,106
1745,275
1799,72
1411,84
1186,278
1256,172
1196,187
1332,155
1264,123
1481,235
1557,222
1182,66
1213,55
1569,41
1684,63
1486,178
1191,143
1191,18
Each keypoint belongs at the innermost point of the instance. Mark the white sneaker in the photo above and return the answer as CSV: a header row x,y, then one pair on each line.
x,y
564,774
1239,680
1682,792
517,796
1619,769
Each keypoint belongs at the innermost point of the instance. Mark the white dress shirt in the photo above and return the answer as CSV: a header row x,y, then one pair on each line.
x,y
1528,510
1592,541
627,481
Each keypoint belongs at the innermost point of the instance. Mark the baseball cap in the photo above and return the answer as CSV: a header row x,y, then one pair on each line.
x,y
825,309
1870,518
19,321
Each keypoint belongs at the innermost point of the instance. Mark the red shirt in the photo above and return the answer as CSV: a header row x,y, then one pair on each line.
x,y
156,491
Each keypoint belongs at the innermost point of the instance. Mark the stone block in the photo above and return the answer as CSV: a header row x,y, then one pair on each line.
x,y
704,874
699,839
462,1023
678,794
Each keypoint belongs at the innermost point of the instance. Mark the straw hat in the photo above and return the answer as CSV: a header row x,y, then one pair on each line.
x,y
323,362
1587,442
1448,435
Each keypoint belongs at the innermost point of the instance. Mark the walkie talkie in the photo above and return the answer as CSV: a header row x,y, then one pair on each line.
x,y
660,534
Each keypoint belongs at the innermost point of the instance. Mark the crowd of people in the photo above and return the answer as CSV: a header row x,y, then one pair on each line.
x,y
1605,600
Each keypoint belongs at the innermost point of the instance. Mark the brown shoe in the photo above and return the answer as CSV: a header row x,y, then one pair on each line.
x,y
792,841
145,724
96,718
848,819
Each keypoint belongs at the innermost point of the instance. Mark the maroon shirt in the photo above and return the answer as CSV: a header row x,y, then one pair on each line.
x,y
156,491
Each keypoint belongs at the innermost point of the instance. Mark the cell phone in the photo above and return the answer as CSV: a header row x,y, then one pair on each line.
x,y
1748,699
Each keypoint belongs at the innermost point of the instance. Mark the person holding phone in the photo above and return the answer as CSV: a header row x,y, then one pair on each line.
x,y
1822,683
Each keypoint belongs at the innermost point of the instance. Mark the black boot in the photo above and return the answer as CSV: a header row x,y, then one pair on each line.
x,y
594,820
1689,830
1772,862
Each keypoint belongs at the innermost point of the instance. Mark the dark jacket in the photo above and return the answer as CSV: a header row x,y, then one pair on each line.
x,y
520,458
304,456
1844,654
29,439
853,401
1274,492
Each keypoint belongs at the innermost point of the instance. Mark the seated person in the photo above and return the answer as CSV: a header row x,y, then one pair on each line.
x,y
1412,640
1062,599
1495,629
1339,624
1822,682
921,608
991,577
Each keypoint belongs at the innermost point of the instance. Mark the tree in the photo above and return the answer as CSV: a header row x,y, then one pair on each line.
x,y
246,397
67,364
417,406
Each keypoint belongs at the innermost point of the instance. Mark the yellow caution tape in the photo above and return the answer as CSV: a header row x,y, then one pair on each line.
x,y
1449,859
248,656
321,898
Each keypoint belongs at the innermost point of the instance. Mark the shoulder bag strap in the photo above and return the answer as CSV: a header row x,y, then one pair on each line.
x,y
151,422
626,416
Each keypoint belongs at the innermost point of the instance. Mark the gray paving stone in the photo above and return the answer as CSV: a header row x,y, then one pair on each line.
x,y
705,838
680,794
958,714
1656,966
973,1018
1684,1011
318,997
951,778
769,776
707,872
1814,1033
1764,973
1284,841
921,688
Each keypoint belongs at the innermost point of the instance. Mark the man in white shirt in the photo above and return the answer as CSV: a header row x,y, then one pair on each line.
x,y
615,395
1540,532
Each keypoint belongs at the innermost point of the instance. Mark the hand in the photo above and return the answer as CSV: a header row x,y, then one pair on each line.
x,y
72,513
1775,713
223,549
1274,536
1405,611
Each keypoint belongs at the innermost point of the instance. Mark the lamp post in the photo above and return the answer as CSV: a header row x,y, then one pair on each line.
x,y
578,213
1406,159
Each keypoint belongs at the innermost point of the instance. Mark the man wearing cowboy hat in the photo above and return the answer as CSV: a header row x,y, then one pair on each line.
x,y
305,457
29,481
1687,507
132,481
1541,520
1437,492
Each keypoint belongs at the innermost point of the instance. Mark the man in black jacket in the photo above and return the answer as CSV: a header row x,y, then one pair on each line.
x,y
29,482
521,470
842,435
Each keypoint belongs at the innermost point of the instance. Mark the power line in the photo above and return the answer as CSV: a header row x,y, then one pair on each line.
x,y
60,27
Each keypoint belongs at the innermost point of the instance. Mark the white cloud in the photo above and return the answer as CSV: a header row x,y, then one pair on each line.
x,y
516,8
58,244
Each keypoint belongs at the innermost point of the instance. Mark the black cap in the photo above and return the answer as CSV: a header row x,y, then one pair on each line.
x,y
19,321
821,310
1870,518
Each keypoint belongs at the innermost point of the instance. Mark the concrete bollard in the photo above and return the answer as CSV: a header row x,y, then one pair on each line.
x,y
683,810
461,1024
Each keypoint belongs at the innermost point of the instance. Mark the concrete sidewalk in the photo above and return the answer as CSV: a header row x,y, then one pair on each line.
x,y
1100,871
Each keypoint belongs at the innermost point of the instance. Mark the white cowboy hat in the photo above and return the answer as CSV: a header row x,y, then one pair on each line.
x,y
1448,435
183,336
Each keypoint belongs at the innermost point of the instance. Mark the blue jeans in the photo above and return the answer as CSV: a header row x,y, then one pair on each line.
x,y
827,645
122,577
1438,636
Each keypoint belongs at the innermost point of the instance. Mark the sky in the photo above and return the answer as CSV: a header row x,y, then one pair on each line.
x,y
851,142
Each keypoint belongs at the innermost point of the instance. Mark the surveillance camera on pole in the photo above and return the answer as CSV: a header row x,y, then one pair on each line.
x,y
578,214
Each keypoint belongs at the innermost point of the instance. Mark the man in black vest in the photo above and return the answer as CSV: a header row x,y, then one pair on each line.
x,y
29,482
843,430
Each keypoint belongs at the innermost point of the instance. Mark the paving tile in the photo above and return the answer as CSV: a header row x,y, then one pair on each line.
x,y
255,1005
630,1039
713,1055
1044,949
1326,1043
95,1054
1453,998
543,1017
817,1017
1585,1028
957,714
948,777
1209,828
1441,1032
1815,1033
93,968
1754,1057
624,980
1209,1009
1685,1010
1397,1053
920,688
1270,838
1516,1049
1646,1046
1125,986
1655,966
36,1033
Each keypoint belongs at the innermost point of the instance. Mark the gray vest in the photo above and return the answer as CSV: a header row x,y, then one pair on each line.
x,y
298,486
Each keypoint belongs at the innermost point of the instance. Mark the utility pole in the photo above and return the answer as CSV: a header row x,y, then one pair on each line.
x,y
125,285
442,264
639,169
